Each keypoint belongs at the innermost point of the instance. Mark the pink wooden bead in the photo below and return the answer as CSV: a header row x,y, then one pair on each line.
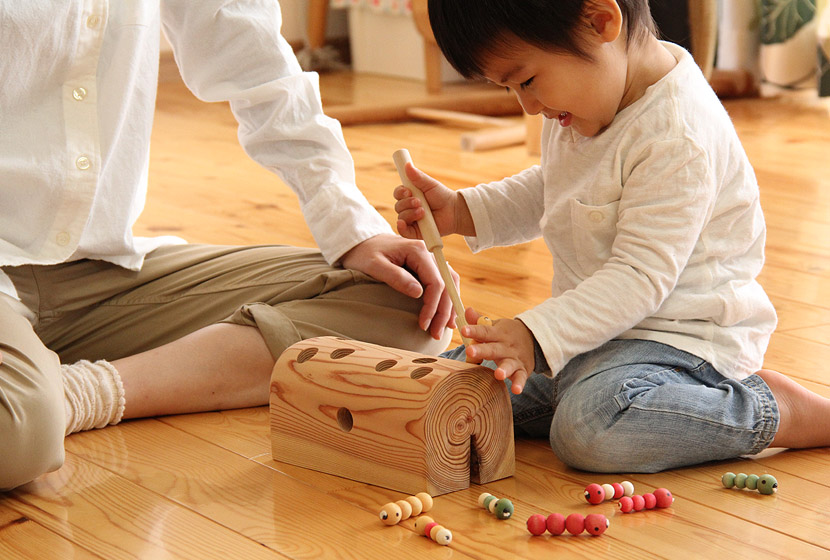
x,y
626,504
536,524
575,523
555,523
596,524
664,497
618,490
639,502
650,500
595,494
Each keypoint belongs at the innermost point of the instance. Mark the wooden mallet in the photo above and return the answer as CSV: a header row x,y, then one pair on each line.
x,y
432,239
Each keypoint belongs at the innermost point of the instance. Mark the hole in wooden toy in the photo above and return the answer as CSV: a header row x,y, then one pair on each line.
x,y
420,372
424,360
306,355
345,420
385,364
341,353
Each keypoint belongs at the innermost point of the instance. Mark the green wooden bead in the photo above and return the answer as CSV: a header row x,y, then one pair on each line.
x,y
728,480
740,480
504,509
767,484
752,481
487,501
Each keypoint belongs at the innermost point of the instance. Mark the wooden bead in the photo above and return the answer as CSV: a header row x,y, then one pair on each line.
x,y
650,500
406,509
740,480
442,536
626,504
619,491
664,498
594,494
482,497
555,523
609,491
536,524
728,480
390,514
575,523
628,488
417,506
639,502
503,509
426,501
596,524
767,484
421,524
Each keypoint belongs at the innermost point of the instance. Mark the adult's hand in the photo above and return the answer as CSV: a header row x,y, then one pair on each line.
x,y
407,266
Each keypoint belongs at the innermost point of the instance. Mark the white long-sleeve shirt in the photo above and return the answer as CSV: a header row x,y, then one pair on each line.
x,y
77,93
655,228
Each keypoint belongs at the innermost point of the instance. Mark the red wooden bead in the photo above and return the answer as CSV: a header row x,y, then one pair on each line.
x,y
664,497
639,502
428,528
650,500
595,494
626,504
618,490
575,523
596,524
536,524
555,523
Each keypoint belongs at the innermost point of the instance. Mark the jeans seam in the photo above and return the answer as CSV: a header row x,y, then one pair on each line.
x,y
767,427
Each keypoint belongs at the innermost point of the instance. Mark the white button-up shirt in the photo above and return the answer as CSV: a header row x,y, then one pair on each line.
x,y
77,94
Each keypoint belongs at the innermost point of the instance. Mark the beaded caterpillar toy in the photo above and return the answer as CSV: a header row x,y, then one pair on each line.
x,y
660,498
502,508
594,524
426,526
395,512
596,494
766,484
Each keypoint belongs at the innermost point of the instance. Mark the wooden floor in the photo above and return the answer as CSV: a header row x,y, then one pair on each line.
x,y
204,486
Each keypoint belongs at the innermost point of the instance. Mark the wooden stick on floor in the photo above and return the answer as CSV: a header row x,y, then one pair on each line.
x,y
429,231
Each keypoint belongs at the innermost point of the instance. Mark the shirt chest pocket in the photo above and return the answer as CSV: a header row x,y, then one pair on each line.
x,y
593,229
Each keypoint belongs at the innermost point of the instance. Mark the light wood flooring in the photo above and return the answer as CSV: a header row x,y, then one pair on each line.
x,y
204,486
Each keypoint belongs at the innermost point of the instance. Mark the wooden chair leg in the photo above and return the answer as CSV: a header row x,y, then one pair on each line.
x,y
703,23
318,11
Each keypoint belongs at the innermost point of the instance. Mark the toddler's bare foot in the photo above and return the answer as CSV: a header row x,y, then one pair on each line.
x,y
805,416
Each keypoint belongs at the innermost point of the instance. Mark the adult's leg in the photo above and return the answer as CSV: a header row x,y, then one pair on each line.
x,y
32,414
184,333
638,406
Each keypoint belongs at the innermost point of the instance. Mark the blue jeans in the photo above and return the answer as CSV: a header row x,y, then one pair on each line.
x,y
642,406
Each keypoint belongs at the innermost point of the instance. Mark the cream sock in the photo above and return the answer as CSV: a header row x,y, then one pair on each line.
x,y
94,395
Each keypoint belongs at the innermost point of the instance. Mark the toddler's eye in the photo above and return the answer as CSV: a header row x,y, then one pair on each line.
x,y
526,84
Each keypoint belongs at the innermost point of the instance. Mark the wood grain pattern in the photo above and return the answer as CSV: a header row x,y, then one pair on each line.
x,y
205,486
389,417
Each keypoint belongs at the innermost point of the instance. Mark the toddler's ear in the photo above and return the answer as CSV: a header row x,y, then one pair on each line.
x,y
605,17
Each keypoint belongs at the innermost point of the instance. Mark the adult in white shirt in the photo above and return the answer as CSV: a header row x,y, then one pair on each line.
x,y
155,326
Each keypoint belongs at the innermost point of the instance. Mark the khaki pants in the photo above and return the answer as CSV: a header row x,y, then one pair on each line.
x,y
95,310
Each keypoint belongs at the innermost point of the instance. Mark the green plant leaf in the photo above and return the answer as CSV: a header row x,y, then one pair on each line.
x,y
781,19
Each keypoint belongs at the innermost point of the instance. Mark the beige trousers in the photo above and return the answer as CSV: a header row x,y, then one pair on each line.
x,y
95,310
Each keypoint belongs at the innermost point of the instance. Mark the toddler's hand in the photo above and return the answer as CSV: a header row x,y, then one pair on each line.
x,y
508,342
441,200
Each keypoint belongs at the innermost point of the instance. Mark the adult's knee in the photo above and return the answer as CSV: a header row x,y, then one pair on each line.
x,y
32,422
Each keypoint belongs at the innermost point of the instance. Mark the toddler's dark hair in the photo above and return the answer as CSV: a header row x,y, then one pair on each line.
x,y
469,30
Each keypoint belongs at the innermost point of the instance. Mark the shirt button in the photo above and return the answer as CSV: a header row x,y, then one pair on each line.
x,y
93,21
79,93
595,216
83,163
62,239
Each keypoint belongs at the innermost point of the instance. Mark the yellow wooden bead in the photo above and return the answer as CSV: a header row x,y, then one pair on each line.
x,y
406,509
390,514
426,501
486,321
422,522
417,506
